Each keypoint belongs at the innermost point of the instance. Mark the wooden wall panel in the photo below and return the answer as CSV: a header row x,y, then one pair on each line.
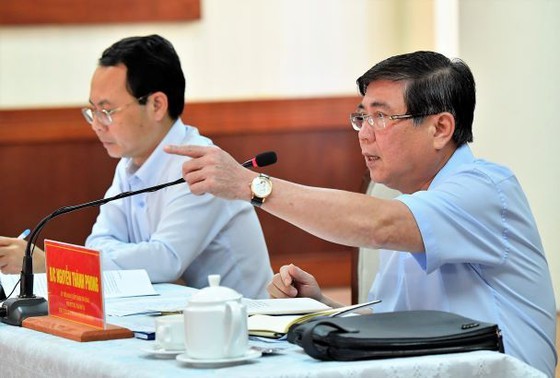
x,y
40,178
65,12
50,158
213,118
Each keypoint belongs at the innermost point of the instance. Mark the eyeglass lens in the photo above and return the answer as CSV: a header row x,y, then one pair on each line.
x,y
358,119
102,117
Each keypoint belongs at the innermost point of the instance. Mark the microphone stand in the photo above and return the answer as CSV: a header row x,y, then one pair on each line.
x,y
15,310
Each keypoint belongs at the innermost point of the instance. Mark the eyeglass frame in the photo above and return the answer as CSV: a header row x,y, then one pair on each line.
x,y
381,115
97,113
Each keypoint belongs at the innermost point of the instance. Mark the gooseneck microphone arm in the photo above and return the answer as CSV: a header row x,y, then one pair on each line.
x,y
15,310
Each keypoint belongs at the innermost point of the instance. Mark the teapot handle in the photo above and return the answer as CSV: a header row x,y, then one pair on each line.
x,y
235,320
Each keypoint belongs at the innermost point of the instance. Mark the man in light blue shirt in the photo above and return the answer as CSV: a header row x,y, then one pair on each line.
x,y
136,100
483,267
171,233
461,238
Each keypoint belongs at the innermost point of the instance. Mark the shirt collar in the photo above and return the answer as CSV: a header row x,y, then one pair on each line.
x,y
147,173
462,155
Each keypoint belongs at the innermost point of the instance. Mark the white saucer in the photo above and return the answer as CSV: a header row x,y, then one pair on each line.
x,y
251,354
160,352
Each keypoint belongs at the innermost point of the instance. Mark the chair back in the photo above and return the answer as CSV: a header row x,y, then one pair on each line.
x,y
365,262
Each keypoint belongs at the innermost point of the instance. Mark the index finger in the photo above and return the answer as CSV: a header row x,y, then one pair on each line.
x,y
186,150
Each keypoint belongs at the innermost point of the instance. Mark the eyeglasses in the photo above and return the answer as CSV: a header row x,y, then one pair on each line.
x,y
104,116
378,120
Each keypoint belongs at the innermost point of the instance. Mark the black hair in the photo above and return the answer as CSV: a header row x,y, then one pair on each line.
x,y
434,84
152,66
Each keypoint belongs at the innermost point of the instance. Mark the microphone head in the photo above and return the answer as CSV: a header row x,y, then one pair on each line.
x,y
265,158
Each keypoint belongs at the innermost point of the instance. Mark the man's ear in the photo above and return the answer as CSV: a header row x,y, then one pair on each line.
x,y
443,127
158,105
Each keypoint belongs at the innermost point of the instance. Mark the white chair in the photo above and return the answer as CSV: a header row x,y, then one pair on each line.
x,y
366,260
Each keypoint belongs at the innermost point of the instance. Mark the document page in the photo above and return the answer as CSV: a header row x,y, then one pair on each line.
x,y
127,283
116,284
282,306
147,306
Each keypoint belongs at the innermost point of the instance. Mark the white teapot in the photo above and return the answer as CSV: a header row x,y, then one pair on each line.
x,y
216,323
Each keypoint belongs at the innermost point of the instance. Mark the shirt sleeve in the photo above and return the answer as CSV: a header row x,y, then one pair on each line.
x,y
466,219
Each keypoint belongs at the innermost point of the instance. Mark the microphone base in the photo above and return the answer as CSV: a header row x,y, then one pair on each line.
x,y
18,309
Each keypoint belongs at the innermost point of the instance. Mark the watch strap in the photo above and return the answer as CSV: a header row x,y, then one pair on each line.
x,y
257,201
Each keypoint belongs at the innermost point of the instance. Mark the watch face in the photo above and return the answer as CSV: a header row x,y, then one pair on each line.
x,y
261,187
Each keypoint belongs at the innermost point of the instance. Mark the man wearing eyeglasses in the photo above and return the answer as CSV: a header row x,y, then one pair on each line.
x,y
136,100
461,238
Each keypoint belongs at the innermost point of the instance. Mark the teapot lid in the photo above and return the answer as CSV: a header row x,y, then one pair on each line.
x,y
214,292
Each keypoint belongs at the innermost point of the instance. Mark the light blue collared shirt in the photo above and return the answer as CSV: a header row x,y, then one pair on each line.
x,y
483,258
173,233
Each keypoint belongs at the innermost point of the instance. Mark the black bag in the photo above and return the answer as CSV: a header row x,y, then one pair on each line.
x,y
394,334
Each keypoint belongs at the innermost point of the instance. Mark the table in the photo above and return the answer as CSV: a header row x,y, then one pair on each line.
x,y
27,353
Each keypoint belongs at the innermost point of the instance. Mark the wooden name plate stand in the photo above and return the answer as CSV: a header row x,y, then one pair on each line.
x,y
74,331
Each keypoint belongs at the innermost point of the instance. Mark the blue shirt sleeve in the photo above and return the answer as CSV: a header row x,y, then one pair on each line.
x,y
468,218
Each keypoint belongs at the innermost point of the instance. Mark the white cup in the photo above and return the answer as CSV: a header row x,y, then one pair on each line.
x,y
170,332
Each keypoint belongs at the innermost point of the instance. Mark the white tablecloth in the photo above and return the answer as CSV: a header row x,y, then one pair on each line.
x,y
28,353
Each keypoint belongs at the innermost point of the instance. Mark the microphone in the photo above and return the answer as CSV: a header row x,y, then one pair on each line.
x,y
261,160
15,310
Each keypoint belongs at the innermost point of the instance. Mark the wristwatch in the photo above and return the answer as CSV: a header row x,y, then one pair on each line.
x,y
261,187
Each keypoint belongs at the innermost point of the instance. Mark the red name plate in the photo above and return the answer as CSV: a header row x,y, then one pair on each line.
x,y
74,283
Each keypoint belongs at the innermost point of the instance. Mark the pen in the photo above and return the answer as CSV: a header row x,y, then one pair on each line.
x,y
24,234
